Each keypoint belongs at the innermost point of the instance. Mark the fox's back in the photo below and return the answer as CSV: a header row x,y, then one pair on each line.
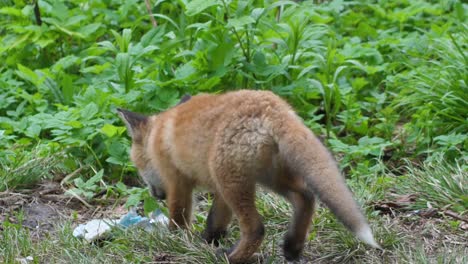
x,y
236,120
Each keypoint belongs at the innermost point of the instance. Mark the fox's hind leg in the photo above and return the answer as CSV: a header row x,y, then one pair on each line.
x,y
240,154
219,218
237,187
241,198
304,207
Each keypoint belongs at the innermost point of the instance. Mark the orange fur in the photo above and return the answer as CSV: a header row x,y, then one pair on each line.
x,y
229,143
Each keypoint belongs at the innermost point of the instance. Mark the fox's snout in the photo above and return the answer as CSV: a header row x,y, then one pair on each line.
x,y
160,195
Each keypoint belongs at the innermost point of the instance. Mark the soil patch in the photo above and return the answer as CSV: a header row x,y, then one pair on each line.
x,y
45,208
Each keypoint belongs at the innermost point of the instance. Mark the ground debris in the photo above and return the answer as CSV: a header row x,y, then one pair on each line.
x,y
43,209
396,203
399,206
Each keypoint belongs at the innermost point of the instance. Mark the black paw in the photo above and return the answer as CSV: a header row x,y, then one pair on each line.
x,y
292,248
213,237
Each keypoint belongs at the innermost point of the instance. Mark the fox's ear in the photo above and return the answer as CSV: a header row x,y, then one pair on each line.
x,y
184,99
136,123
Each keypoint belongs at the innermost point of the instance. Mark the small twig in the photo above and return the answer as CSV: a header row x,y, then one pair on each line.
x,y
37,12
70,176
148,7
455,215
8,194
78,197
96,210
47,192
54,197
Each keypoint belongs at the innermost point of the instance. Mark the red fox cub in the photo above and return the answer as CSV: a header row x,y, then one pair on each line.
x,y
228,143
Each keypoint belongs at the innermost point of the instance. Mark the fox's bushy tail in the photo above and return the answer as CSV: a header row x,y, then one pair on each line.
x,y
308,158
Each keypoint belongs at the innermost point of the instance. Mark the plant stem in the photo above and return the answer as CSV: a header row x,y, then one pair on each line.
x,y
37,13
148,7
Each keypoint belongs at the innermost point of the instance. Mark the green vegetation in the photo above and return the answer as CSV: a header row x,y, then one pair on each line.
x,y
385,83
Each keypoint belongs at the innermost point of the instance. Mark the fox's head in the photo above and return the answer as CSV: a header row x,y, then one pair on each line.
x,y
138,129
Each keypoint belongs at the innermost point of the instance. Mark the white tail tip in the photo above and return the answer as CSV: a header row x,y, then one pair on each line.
x,y
365,235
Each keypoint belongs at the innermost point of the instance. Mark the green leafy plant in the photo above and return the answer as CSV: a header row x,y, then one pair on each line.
x,y
88,188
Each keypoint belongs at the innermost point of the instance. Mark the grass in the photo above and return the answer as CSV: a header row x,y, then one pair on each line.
x,y
133,246
434,93
328,242
438,185
446,255
21,168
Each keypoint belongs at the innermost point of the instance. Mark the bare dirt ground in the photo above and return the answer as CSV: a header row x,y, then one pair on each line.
x,y
44,208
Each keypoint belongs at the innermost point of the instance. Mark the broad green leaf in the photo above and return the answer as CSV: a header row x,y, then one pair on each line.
x,y
210,83
74,20
240,22
33,130
89,29
27,74
359,83
97,69
74,124
79,183
197,6
65,30
121,187
222,56
95,179
18,41
168,95
153,36
185,71
68,90
110,130
145,50
65,62
149,204
60,10
108,45
257,13
45,42
11,11
89,111
133,199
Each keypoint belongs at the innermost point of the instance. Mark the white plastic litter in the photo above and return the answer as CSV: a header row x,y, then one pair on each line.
x,y
24,260
100,228
94,229
157,217
133,219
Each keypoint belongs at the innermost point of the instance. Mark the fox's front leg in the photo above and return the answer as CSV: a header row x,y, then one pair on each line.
x,y
179,201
